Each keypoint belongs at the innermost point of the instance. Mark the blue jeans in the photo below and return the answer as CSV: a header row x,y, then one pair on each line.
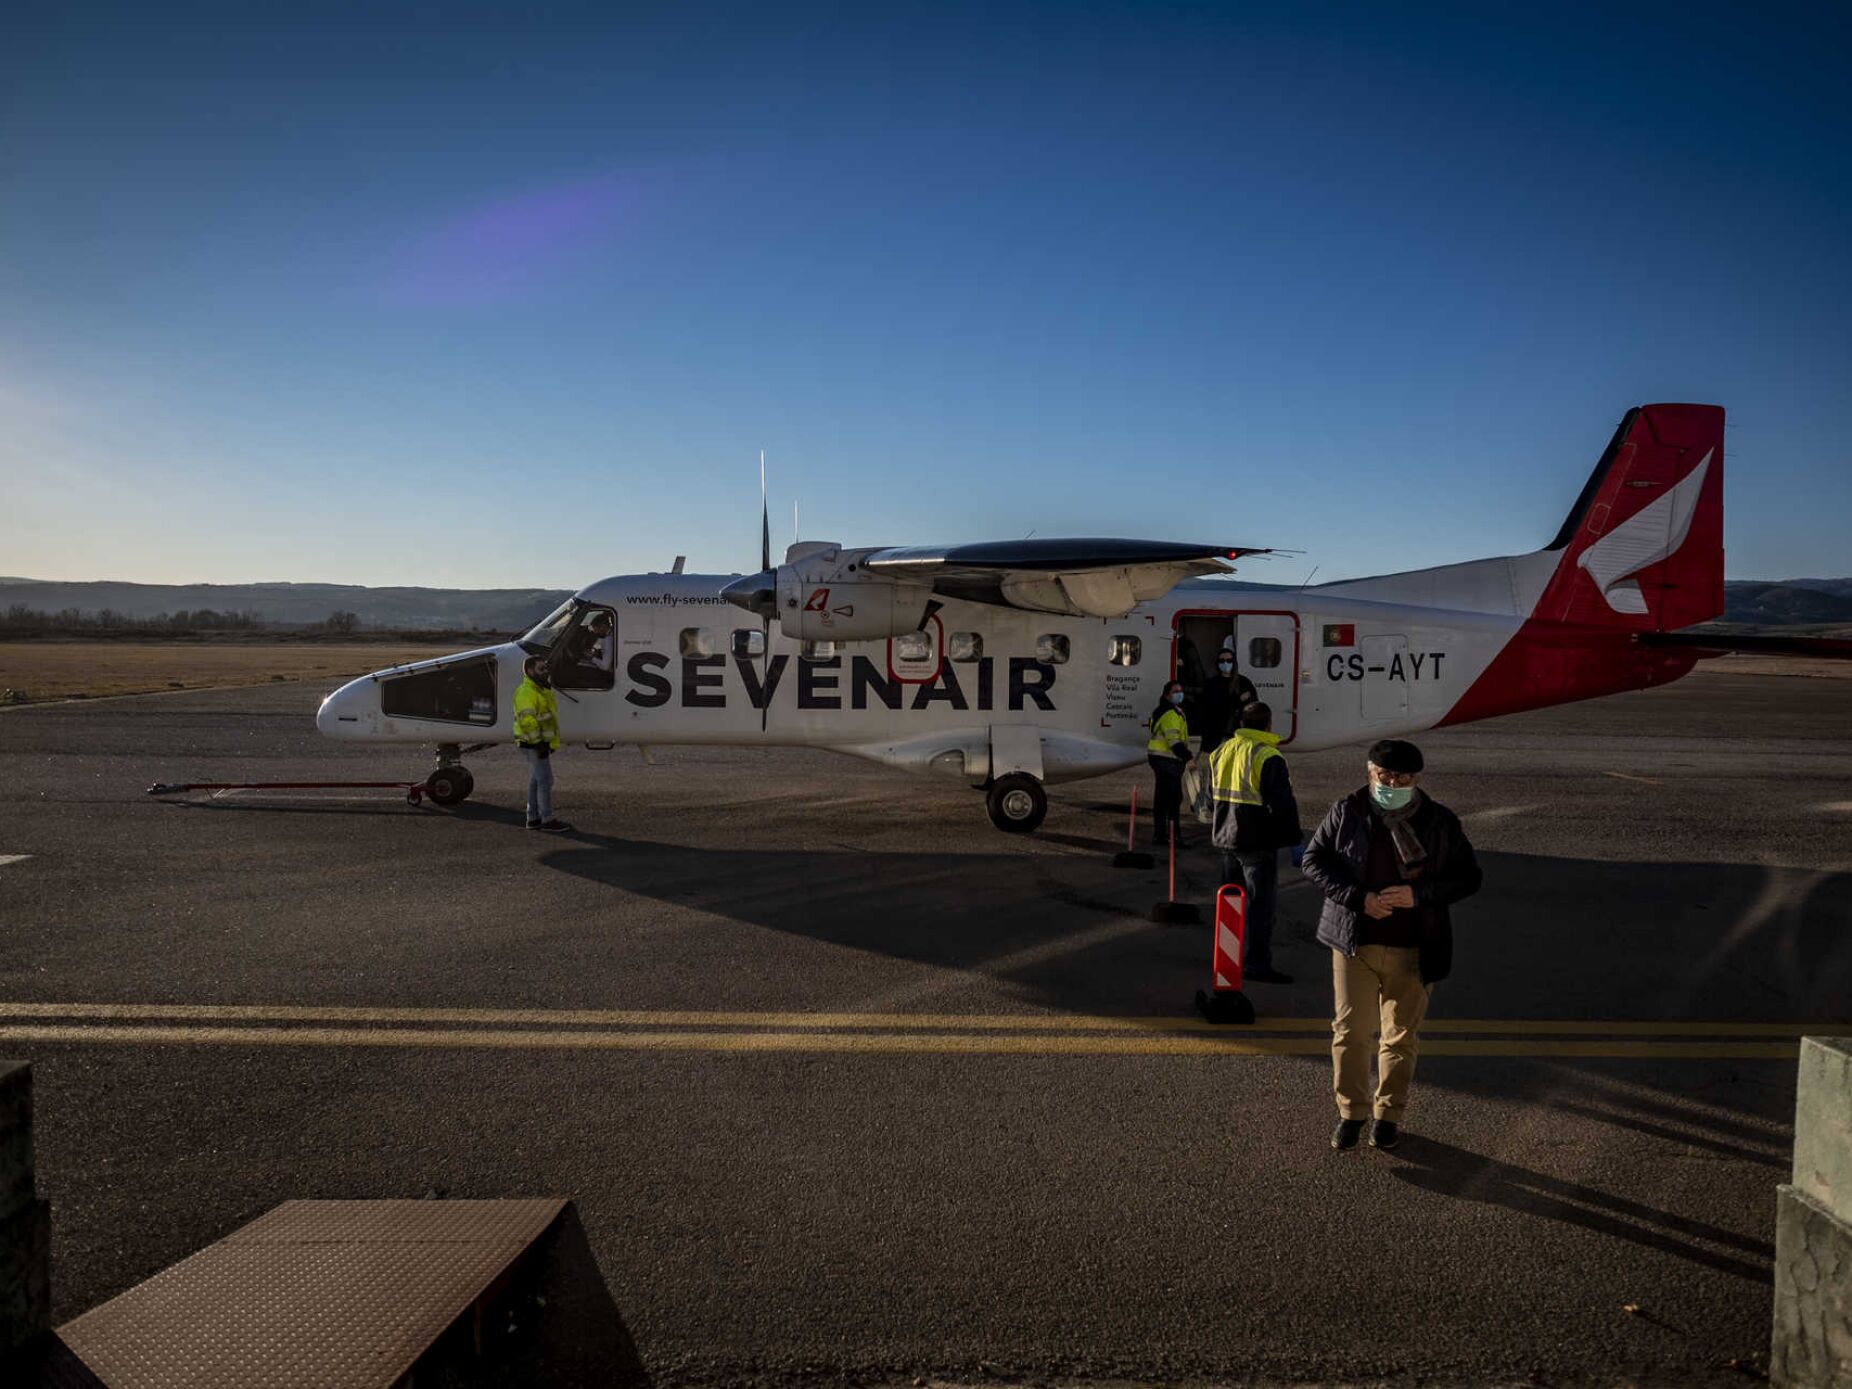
x,y
1259,876
539,784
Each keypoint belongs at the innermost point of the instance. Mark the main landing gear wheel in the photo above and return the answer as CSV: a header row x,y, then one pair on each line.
x,y
451,785
1016,803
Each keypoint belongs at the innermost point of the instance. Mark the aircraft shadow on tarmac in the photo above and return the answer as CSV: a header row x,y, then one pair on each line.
x,y
1547,938
1440,1167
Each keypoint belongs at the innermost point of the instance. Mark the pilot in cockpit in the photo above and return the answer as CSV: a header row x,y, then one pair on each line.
x,y
590,645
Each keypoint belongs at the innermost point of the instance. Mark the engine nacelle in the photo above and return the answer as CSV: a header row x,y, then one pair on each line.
x,y
824,595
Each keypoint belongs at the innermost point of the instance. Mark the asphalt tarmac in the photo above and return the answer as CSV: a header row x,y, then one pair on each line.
x,y
1020,1157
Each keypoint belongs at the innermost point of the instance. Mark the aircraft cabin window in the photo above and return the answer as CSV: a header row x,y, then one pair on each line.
x,y
461,692
817,651
1125,651
748,643
1051,650
698,641
1263,652
913,646
965,646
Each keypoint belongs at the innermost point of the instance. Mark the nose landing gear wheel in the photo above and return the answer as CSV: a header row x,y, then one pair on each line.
x,y
1017,803
451,785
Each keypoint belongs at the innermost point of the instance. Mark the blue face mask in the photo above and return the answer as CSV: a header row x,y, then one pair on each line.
x,y
1176,696
1391,797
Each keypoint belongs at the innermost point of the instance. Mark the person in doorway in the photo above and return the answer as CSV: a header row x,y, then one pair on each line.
x,y
1218,708
1255,817
1168,752
536,730
1391,861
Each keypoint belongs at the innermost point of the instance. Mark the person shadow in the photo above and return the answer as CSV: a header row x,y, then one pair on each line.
x,y
1431,1165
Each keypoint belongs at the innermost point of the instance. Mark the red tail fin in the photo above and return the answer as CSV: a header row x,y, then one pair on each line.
x,y
1643,549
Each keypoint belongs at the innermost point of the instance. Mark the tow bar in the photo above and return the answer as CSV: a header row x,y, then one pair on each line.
x,y
415,791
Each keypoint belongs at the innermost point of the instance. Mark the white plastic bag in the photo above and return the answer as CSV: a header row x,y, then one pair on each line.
x,y
1199,794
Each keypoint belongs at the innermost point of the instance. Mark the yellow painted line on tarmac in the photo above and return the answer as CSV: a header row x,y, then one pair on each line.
x,y
1628,776
906,1022
978,1022
907,1042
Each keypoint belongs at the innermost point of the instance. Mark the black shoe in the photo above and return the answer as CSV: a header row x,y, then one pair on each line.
x,y
1384,1134
553,827
1346,1134
1266,976
532,823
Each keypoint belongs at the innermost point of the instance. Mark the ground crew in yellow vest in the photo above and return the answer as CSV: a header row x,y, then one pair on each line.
x,y
1255,817
1168,752
536,729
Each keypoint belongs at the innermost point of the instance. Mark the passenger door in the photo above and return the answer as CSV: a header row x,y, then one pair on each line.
x,y
1266,647
1267,652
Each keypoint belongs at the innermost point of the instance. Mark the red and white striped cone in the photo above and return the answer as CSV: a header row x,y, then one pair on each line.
x,y
1224,1002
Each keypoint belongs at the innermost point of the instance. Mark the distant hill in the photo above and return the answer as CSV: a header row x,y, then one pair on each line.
x,y
1757,602
298,605
1787,602
1841,587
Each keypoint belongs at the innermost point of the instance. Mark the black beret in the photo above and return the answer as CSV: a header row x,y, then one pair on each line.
x,y
1394,755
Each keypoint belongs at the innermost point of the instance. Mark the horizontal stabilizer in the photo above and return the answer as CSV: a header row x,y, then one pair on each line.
x,y
1760,643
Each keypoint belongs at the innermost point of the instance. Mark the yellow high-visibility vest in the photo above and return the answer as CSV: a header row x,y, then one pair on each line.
x,y
1168,729
536,715
1235,766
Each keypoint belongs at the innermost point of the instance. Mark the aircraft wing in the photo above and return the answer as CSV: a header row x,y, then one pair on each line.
x,y
1079,578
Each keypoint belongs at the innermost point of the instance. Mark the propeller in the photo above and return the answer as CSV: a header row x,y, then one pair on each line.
x,y
758,593
765,613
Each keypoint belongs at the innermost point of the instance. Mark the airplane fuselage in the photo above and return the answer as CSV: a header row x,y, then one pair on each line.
x,y
1336,669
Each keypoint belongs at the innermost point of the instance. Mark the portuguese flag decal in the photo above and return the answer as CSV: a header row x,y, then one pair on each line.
x,y
1340,634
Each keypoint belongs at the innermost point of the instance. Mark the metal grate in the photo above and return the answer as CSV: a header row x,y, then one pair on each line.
x,y
312,1295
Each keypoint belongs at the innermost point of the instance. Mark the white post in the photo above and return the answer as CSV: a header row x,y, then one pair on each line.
x,y
1812,1343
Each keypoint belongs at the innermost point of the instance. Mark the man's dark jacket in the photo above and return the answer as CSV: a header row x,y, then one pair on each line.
x,y
1217,706
1337,859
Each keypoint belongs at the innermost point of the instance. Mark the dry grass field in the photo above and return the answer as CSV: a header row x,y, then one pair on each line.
x,y
43,670
1749,663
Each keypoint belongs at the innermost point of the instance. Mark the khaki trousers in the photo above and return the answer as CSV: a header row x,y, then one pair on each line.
x,y
1378,986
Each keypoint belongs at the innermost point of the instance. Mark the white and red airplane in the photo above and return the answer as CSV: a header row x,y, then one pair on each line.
x,y
1016,664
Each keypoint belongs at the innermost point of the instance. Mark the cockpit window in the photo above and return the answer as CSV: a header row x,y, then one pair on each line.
x,y
541,640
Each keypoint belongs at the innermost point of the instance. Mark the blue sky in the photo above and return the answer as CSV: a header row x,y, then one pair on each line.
x,y
493,295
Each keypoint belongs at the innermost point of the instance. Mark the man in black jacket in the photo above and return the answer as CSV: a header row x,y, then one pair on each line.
x,y
1390,861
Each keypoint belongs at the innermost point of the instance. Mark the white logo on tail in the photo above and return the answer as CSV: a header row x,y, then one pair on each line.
x,y
1653,534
